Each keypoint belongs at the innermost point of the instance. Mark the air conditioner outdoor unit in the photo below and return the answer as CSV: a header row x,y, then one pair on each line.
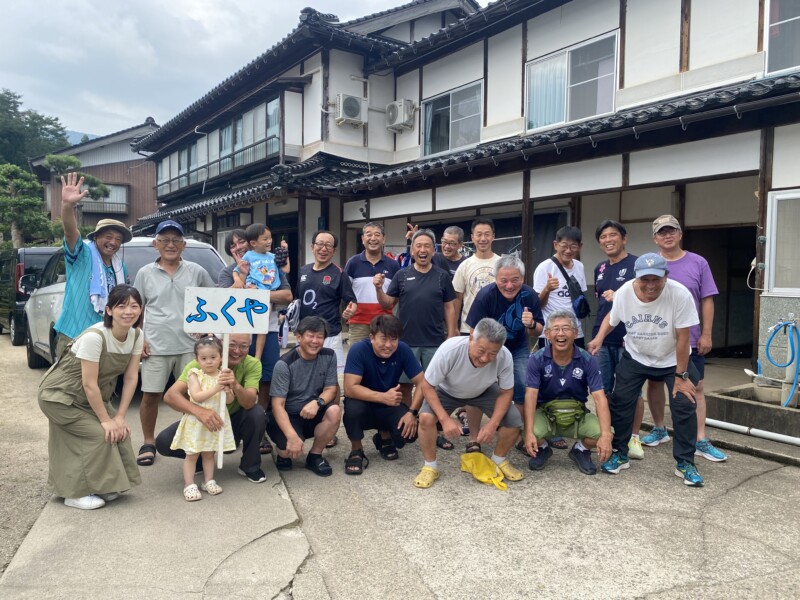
x,y
350,109
400,115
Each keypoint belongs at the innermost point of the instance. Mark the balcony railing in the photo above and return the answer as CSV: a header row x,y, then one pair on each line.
x,y
261,150
104,207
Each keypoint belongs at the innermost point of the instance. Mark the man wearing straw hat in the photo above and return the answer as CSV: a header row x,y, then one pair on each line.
x,y
93,267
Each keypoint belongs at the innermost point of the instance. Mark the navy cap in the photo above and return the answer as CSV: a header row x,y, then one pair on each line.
x,y
169,224
651,264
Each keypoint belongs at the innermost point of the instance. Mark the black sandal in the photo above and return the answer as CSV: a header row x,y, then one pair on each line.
x,y
283,463
333,442
146,461
386,447
443,443
265,447
356,463
318,464
473,447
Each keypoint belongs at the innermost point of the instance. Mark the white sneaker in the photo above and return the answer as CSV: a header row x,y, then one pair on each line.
x,y
635,449
89,502
109,497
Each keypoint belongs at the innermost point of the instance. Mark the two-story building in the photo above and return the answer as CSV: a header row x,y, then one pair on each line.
x,y
129,178
537,113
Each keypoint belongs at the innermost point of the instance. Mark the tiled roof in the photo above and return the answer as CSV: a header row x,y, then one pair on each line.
x,y
389,11
735,99
148,122
311,22
320,171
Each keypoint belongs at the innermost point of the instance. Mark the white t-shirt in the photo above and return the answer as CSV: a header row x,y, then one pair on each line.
x,y
89,347
451,369
471,276
650,338
558,299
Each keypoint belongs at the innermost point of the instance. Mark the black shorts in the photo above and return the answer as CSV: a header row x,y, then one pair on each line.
x,y
303,427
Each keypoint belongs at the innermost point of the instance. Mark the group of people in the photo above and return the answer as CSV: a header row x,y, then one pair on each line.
x,y
443,334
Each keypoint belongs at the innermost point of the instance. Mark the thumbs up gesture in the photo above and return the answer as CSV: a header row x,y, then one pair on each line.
x,y
378,279
350,310
552,282
527,318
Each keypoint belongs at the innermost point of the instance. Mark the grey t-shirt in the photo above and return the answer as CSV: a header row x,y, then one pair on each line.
x,y
451,369
163,305
300,380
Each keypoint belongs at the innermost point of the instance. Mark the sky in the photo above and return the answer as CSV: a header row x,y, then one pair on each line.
x,y
101,66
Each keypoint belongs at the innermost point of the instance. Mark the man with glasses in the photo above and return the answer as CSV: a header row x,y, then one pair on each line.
x,y
167,348
247,420
450,257
560,377
361,269
322,287
93,267
549,282
692,271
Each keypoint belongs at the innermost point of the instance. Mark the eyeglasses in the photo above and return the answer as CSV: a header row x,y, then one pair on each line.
x,y
666,231
566,246
450,244
560,329
240,347
321,245
170,241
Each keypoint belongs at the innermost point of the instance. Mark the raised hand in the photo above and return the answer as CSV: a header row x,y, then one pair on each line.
x,y
527,317
71,192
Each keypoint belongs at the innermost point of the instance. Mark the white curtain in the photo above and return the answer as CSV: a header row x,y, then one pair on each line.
x,y
547,91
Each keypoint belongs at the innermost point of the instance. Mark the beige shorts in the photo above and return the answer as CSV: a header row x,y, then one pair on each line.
x,y
156,370
358,332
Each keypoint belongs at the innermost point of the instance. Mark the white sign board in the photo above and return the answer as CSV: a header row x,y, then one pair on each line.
x,y
225,310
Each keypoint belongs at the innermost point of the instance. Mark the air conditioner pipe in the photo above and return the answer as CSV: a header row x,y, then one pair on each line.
x,y
759,433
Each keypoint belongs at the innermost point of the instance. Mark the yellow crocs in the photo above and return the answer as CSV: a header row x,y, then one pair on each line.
x,y
426,477
510,472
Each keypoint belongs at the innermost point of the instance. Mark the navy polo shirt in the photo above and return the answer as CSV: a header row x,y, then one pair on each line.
x,y
554,382
611,277
379,374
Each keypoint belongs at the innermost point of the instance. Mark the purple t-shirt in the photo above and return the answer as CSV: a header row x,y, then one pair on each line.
x,y
692,271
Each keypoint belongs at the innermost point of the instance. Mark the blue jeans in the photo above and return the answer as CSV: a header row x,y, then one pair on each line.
x,y
608,359
520,356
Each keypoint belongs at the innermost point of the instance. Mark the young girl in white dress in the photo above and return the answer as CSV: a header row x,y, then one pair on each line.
x,y
192,436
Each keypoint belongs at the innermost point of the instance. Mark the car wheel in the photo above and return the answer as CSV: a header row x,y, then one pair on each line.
x,y
34,360
17,334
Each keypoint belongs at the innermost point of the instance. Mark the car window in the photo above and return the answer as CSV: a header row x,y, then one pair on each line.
x,y
34,263
136,257
54,267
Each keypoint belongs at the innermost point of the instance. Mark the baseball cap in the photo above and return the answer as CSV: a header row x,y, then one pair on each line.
x,y
169,224
112,224
665,221
651,264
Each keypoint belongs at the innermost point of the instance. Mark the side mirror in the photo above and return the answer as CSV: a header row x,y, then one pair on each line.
x,y
28,283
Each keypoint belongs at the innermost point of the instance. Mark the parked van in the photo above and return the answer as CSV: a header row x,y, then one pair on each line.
x,y
45,303
14,264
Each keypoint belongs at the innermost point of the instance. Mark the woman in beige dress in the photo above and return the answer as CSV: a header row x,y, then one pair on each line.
x,y
91,457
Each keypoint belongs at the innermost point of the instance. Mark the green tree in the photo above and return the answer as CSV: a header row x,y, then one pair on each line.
x,y
21,206
62,163
84,139
26,133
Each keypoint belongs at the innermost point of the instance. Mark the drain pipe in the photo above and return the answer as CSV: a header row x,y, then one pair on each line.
x,y
759,433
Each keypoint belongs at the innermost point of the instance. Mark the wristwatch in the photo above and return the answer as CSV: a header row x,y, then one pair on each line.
x,y
684,375
414,412
320,402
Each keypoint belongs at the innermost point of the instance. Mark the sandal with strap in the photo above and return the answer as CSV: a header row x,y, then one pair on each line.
x,y
318,464
560,443
356,463
283,463
426,477
146,461
521,447
212,487
265,447
473,447
191,493
333,442
509,471
443,443
386,447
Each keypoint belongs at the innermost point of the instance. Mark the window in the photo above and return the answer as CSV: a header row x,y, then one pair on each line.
x,y
192,163
783,251
238,141
225,148
783,35
575,84
453,120
273,126
183,167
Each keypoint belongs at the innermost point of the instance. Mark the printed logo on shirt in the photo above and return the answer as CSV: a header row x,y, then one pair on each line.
x,y
410,278
481,277
563,381
326,280
563,292
548,371
600,277
646,318
622,272
303,277
577,373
